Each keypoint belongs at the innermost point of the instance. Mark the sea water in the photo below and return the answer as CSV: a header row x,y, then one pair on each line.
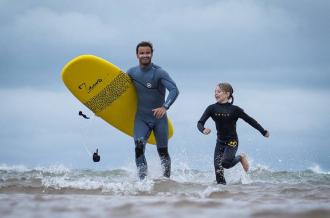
x,y
59,191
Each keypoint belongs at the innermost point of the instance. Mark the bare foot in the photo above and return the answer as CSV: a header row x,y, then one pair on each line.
x,y
244,162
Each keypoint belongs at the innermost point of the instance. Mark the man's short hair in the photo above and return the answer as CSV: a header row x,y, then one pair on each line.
x,y
144,44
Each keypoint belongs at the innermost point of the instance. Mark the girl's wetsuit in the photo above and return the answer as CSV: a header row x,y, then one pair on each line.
x,y
225,117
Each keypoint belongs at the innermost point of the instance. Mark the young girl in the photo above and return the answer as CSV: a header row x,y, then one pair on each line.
x,y
225,116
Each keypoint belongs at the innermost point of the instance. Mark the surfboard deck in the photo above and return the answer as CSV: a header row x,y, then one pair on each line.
x,y
106,90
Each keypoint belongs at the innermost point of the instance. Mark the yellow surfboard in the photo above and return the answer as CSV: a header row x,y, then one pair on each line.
x,y
106,90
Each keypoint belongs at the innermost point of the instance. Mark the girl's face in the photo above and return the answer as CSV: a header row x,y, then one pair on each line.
x,y
221,96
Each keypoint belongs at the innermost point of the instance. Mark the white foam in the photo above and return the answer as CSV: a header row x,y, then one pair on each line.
x,y
56,169
17,168
211,189
260,167
317,169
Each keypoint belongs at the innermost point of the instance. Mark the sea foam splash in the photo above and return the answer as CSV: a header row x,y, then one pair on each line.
x,y
183,182
317,169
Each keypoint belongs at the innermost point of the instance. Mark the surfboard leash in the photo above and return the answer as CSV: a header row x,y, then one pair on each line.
x,y
96,156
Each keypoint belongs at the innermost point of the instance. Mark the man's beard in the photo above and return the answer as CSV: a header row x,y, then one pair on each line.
x,y
145,62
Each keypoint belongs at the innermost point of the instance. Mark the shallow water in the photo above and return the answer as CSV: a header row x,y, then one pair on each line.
x,y
62,192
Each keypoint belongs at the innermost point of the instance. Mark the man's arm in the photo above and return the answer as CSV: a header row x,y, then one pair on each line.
x,y
170,85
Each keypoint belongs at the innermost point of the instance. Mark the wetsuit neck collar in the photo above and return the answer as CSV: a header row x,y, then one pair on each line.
x,y
144,69
227,103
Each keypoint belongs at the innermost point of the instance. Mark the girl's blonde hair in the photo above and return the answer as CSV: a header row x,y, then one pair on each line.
x,y
227,88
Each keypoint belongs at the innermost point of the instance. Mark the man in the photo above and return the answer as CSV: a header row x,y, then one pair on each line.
x,y
151,82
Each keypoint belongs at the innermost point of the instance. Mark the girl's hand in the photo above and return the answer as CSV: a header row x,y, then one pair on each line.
x,y
267,134
206,131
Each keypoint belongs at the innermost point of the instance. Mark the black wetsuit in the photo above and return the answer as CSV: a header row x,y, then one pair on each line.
x,y
225,117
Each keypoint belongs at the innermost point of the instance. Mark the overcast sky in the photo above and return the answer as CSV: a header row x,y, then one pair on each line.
x,y
275,53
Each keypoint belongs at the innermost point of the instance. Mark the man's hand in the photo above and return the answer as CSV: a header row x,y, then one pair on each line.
x,y
159,112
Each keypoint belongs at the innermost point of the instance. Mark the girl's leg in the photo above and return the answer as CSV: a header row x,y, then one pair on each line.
x,y
244,162
218,156
229,158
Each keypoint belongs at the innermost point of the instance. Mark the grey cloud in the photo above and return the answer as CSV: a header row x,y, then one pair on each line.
x,y
257,38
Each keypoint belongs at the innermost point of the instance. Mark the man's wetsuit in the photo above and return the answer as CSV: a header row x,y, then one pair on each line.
x,y
151,83
225,117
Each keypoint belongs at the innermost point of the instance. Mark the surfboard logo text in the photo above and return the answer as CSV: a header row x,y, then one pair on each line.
x,y
89,88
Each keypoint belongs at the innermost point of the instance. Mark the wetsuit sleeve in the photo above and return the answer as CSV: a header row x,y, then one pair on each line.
x,y
251,121
207,113
170,85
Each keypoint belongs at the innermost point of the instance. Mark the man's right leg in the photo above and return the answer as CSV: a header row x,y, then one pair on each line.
x,y
141,135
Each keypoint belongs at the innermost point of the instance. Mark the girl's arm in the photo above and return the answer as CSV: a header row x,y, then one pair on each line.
x,y
203,119
252,122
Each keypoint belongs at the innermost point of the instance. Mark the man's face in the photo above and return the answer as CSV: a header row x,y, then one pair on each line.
x,y
144,55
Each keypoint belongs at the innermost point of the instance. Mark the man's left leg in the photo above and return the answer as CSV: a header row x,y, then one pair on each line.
x,y
161,134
